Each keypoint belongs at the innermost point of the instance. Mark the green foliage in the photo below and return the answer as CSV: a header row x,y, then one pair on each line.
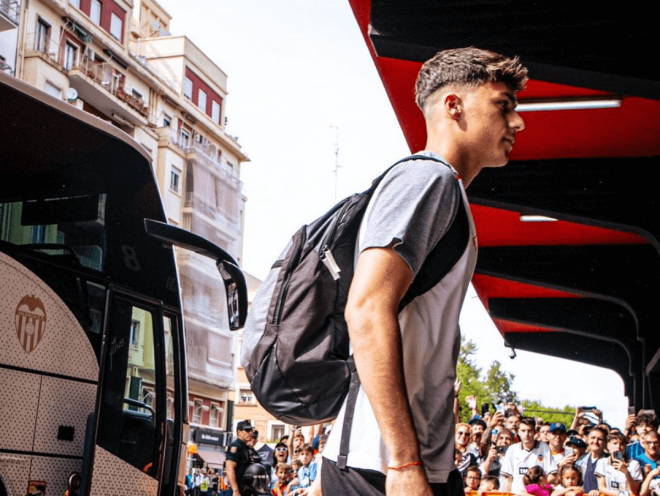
x,y
497,384
489,388
537,409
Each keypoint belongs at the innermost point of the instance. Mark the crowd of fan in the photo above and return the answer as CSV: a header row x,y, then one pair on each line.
x,y
511,453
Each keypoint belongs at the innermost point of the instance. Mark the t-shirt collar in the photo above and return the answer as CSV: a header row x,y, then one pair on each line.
x,y
428,153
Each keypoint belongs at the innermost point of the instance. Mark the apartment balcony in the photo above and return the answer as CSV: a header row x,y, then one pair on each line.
x,y
37,45
9,14
105,88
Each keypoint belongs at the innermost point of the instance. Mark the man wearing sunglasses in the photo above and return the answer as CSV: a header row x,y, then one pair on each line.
x,y
240,456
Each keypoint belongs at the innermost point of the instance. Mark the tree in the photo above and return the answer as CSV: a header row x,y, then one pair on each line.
x,y
537,409
494,385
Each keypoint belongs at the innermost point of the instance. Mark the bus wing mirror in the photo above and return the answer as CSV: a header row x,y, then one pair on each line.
x,y
231,274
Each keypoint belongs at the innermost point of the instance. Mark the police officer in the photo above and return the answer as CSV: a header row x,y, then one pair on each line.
x,y
239,457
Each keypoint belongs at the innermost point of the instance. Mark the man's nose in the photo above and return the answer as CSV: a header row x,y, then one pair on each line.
x,y
517,122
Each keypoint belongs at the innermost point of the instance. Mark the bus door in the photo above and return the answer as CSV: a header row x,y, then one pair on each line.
x,y
131,427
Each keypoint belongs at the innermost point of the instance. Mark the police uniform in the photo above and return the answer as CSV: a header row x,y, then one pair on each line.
x,y
244,456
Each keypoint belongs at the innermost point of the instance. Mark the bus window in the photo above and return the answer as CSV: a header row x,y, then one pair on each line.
x,y
128,416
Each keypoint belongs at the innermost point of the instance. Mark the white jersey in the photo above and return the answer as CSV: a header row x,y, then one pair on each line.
x,y
518,461
615,479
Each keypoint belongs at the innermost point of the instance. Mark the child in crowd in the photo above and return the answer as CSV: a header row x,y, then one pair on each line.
x,y
307,473
536,483
472,479
489,483
570,479
284,476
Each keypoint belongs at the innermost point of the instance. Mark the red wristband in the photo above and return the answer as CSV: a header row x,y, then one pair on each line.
x,y
405,465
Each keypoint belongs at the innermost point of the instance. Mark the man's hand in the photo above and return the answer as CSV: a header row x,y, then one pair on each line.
x,y
457,387
620,465
492,454
568,460
410,481
498,419
594,492
471,402
630,422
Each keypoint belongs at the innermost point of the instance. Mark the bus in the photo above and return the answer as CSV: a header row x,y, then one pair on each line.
x,y
93,385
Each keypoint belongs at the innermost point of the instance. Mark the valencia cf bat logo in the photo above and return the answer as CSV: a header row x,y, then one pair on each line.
x,y
30,322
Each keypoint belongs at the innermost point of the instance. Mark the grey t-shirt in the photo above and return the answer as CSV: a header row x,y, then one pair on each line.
x,y
410,211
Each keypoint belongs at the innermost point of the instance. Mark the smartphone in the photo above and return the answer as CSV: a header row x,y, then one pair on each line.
x,y
618,455
485,408
631,410
502,449
587,408
500,408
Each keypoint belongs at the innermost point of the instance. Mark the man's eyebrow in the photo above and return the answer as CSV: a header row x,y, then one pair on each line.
x,y
512,98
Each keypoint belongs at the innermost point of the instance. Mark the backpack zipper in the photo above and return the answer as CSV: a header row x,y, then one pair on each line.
x,y
287,277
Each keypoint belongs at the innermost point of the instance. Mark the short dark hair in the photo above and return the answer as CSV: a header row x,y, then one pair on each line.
x,y
491,478
468,67
477,421
307,448
528,421
647,419
618,436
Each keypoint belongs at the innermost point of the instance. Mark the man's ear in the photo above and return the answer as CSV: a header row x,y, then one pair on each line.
x,y
453,105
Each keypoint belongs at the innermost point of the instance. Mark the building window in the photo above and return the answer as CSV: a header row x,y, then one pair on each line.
x,y
95,12
53,90
246,396
276,432
116,26
216,415
42,36
197,412
215,112
185,139
167,120
75,3
187,88
175,180
135,332
201,100
70,55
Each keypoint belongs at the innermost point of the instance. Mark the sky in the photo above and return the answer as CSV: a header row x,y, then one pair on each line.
x,y
302,85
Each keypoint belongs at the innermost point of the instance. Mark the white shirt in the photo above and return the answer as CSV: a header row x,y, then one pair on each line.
x,y
518,461
615,479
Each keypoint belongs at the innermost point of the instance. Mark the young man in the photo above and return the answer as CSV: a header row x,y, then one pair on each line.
x,y
493,462
556,439
643,423
402,432
650,459
614,475
524,455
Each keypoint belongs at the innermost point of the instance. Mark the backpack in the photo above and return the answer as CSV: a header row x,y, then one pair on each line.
x,y
295,347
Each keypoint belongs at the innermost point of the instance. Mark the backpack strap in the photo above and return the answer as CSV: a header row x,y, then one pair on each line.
x,y
433,269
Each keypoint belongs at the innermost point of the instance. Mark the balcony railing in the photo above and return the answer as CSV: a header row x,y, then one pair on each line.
x,y
40,44
11,9
112,81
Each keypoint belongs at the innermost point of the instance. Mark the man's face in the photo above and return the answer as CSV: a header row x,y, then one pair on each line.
x,y
462,436
490,124
556,440
298,441
244,435
543,433
651,445
504,439
526,434
512,422
596,442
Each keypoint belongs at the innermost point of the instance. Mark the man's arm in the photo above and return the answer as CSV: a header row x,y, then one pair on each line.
x,y
380,282
507,482
230,469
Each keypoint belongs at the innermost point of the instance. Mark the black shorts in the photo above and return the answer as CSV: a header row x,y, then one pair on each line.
x,y
361,482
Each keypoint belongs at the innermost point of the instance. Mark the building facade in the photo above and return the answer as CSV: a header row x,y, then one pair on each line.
x,y
117,60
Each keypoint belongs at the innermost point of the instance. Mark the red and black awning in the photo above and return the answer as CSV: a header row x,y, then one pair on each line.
x,y
583,286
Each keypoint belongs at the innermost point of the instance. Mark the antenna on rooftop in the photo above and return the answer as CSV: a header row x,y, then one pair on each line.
x,y
337,166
